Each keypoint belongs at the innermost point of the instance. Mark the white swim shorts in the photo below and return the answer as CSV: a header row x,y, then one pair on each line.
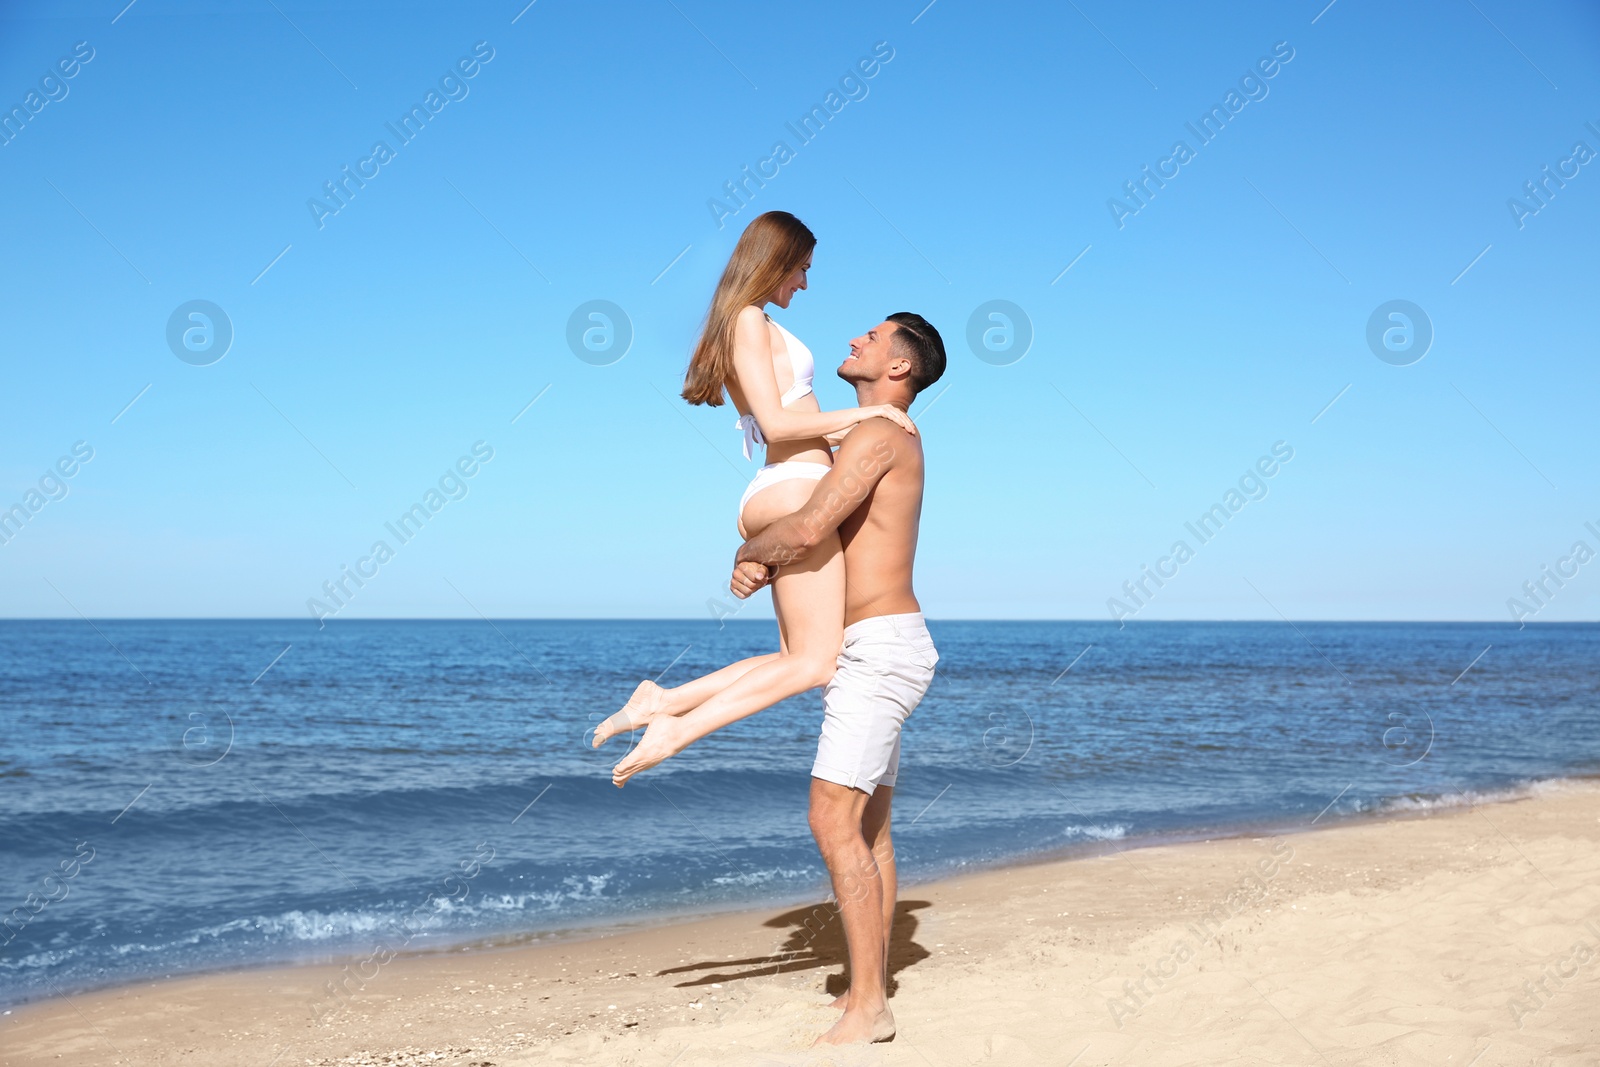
x,y
885,667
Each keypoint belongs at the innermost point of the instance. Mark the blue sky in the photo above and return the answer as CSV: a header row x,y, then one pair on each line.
x,y
579,162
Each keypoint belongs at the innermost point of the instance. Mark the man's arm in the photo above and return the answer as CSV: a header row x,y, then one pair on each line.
x,y
866,455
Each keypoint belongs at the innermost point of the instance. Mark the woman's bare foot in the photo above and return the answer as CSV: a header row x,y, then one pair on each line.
x,y
663,738
860,1027
648,701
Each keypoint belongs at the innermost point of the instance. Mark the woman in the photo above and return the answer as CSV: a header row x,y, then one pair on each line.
x,y
767,373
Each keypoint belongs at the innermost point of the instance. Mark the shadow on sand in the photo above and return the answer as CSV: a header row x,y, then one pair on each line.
x,y
816,939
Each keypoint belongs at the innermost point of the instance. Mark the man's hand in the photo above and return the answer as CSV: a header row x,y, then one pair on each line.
x,y
862,461
748,576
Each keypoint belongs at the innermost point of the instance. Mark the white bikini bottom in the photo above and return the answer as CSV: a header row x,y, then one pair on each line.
x,y
773,473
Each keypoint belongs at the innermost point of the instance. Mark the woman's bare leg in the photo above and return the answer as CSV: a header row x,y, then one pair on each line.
x,y
650,699
809,599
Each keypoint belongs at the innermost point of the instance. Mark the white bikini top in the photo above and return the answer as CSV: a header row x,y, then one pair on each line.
x,y
804,366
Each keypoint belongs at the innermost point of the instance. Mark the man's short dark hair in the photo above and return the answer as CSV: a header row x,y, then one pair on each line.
x,y
920,343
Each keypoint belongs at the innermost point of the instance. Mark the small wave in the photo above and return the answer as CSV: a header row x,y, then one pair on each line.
x,y
1465,798
748,878
441,913
337,928
1095,832
306,925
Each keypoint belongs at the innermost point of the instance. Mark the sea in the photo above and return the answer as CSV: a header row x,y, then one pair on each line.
x,y
182,796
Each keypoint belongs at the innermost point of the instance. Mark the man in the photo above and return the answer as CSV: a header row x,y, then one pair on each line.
x,y
873,498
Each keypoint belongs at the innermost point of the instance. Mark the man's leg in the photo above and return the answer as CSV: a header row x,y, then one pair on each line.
x,y
875,831
837,822
875,828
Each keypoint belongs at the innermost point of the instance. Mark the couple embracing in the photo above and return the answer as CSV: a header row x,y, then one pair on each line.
x,y
835,535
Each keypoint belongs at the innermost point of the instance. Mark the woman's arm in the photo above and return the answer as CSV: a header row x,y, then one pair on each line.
x,y
752,362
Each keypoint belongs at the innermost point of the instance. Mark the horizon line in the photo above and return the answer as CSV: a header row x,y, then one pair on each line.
x,y
725,621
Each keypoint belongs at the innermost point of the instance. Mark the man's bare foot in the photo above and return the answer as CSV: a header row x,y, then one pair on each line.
x,y
648,701
860,1027
662,738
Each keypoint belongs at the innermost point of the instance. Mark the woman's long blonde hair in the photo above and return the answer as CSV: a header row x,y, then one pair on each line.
x,y
770,248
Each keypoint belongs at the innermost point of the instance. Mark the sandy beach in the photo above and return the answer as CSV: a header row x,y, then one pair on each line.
x,y
1465,935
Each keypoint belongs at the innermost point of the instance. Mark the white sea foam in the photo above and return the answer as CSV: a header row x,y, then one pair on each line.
x,y
1095,832
749,878
1463,799
310,926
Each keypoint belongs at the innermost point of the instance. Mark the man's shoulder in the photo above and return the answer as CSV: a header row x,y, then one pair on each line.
x,y
881,443
879,427
875,434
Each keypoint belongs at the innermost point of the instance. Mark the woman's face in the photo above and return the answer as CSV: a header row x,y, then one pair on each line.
x,y
792,284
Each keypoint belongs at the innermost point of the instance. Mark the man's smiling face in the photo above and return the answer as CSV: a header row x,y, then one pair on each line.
x,y
871,355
